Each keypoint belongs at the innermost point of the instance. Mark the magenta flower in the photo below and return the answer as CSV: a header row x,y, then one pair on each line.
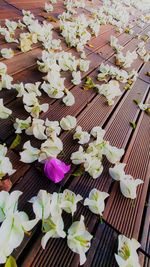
x,y
56,169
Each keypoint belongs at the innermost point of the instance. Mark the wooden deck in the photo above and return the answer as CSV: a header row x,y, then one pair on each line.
x,y
121,215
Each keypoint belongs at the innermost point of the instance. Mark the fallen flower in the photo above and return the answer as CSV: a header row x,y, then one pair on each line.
x,y
96,201
68,123
56,169
4,112
128,186
127,255
78,239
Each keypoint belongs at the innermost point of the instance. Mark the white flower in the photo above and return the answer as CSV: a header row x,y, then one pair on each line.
x,y
25,42
7,53
68,123
109,90
32,105
11,25
8,203
112,153
84,65
30,154
128,186
19,87
69,99
55,87
117,172
69,201
79,238
52,128
9,38
50,148
31,87
6,81
3,68
21,125
127,255
67,61
82,136
96,201
48,7
37,129
127,60
93,166
12,233
78,157
4,112
54,228
98,133
41,205
76,77
114,43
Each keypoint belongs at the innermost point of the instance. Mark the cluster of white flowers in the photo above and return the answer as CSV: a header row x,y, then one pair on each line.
x,y
128,184
109,90
5,79
144,55
125,61
127,252
40,32
15,224
108,71
91,158
39,128
117,15
5,164
47,208
75,32
50,148
43,130
30,92
53,64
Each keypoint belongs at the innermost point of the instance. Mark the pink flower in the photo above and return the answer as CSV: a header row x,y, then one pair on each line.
x,y
56,169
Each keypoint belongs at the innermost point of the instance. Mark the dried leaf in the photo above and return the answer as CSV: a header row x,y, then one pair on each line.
x,y
5,185
127,87
133,124
11,262
148,73
136,101
90,45
16,142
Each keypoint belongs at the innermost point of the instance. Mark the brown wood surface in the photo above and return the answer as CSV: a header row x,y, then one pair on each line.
x,y
121,215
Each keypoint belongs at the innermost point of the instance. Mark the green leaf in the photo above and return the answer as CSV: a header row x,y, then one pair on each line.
x,y
78,172
16,142
11,262
133,124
